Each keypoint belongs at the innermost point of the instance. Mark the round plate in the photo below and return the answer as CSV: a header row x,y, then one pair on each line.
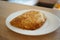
x,y
51,24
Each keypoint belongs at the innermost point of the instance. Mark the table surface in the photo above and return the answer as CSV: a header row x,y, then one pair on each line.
x,y
5,34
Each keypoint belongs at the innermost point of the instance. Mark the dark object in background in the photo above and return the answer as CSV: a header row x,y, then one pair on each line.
x,y
45,5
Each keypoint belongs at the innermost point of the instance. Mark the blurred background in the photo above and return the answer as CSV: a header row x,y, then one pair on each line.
x,y
43,3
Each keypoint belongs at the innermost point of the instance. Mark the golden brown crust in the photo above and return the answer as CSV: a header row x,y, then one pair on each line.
x,y
30,20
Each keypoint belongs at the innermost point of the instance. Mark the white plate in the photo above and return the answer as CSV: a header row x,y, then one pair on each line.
x,y
51,24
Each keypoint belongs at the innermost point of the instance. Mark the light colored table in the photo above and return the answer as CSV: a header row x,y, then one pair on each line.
x,y
5,34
